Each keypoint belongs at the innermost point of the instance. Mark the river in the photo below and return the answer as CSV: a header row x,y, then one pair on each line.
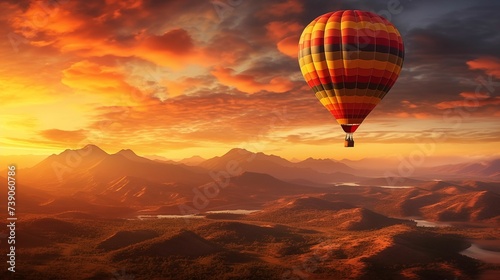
x,y
199,216
474,251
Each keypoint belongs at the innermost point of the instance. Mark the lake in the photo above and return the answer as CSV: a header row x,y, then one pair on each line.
x,y
152,217
238,211
352,184
476,252
199,216
425,223
396,187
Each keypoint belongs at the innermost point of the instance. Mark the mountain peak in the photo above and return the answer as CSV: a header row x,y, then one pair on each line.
x,y
325,165
238,151
131,155
310,159
88,150
127,152
91,146
84,157
194,160
242,154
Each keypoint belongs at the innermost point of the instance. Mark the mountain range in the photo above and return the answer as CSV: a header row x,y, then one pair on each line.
x,y
93,167
124,182
245,215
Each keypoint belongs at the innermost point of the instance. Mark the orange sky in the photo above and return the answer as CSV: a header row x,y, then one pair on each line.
x,y
182,78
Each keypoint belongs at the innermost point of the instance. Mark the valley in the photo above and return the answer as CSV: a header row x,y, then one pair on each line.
x,y
122,216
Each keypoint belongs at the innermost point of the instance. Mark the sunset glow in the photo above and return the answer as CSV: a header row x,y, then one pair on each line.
x,y
184,78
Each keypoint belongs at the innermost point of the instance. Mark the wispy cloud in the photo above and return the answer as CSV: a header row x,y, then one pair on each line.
x,y
64,136
490,65
471,100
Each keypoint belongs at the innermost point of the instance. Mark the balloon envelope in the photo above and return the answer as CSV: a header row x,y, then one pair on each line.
x,y
350,59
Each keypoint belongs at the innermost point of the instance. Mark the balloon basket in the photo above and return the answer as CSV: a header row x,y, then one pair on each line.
x,y
349,143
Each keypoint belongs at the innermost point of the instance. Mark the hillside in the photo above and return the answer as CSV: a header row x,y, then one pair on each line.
x,y
315,212
476,206
122,239
184,244
485,170
135,191
248,249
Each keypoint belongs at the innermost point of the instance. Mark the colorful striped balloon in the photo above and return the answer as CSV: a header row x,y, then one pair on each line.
x,y
351,59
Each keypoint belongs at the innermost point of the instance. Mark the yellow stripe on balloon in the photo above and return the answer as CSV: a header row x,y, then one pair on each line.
x,y
350,99
363,64
375,27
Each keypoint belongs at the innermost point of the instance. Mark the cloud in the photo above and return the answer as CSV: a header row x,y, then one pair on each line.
x,y
64,136
20,121
286,36
225,116
18,91
185,85
471,100
439,46
289,46
464,31
176,41
117,29
282,8
175,48
47,18
277,30
409,115
229,48
474,95
96,79
247,83
490,65
175,74
408,104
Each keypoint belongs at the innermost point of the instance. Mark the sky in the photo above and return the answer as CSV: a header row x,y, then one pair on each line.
x,y
193,77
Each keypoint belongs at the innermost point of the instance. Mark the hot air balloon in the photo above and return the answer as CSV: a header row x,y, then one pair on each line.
x,y
350,59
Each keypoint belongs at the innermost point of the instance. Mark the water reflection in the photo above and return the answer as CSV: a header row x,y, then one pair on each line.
x,y
352,184
199,216
483,255
151,217
238,211
425,223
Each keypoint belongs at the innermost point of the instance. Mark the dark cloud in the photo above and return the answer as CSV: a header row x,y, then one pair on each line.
x,y
176,41
468,33
439,49
231,47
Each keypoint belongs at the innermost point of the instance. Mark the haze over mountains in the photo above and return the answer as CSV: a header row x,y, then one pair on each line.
x,y
242,178
314,170
485,169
